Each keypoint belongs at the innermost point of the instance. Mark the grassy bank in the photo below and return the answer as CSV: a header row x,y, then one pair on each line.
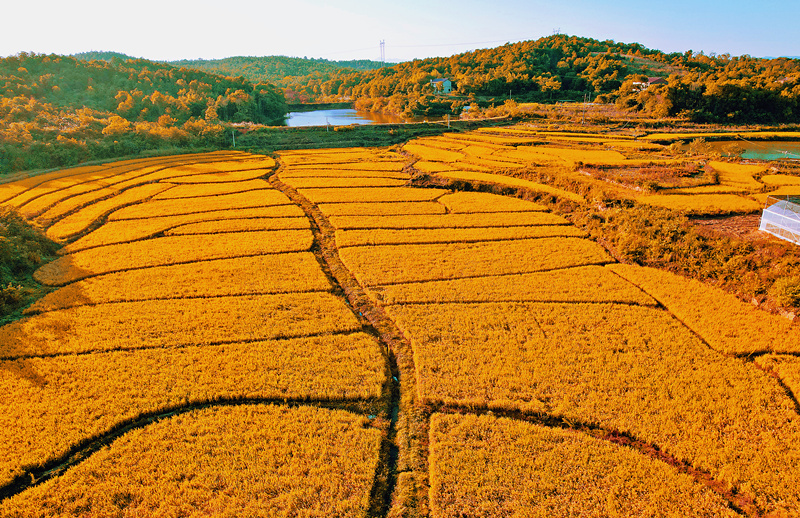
x,y
23,249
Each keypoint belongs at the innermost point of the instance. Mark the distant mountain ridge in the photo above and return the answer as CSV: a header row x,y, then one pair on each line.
x,y
256,69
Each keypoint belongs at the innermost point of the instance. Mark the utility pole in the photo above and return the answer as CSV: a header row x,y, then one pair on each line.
x,y
233,136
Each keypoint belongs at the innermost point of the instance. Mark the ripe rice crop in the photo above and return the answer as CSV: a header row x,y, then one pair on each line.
x,y
223,177
510,180
488,219
242,200
239,225
706,189
42,203
245,163
627,368
56,204
726,323
785,366
434,167
127,230
59,184
488,164
570,156
24,190
631,144
9,190
175,323
749,135
80,192
434,154
580,284
317,182
211,189
248,460
83,219
701,203
169,250
740,175
474,137
81,400
451,235
330,156
473,202
388,264
371,194
504,467
333,172
382,208
387,166
262,274
786,190
780,179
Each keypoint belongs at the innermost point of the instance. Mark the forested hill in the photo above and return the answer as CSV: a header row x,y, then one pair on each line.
x,y
714,88
276,69
59,110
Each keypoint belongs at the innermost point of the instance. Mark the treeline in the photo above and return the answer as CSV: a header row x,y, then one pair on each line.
x,y
721,89
58,110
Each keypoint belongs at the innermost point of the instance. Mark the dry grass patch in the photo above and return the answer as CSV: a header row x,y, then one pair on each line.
x,y
388,264
263,274
579,284
726,323
503,467
250,460
175,323
169,250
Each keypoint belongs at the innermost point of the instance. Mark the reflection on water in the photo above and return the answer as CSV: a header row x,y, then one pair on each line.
x,y
339,117
755,150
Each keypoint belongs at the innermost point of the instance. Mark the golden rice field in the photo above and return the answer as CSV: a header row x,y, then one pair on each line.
x,y
504,157
218,340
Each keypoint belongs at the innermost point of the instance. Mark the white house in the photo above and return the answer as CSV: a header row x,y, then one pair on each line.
x,y
442,85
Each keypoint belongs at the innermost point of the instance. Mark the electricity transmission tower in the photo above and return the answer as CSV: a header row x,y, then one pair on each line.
x,y
383,53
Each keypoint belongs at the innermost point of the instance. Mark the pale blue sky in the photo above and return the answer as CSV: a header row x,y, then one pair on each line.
x,y
353,29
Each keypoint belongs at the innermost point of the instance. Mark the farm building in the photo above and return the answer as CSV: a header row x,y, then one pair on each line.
x,y
781,217
442,85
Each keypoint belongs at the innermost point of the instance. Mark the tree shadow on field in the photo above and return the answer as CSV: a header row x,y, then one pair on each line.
x,y
37,335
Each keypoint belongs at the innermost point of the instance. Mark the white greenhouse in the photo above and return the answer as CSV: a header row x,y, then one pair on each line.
x,y
781,217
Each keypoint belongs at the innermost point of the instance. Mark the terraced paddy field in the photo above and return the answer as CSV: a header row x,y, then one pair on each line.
x,y
310,335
